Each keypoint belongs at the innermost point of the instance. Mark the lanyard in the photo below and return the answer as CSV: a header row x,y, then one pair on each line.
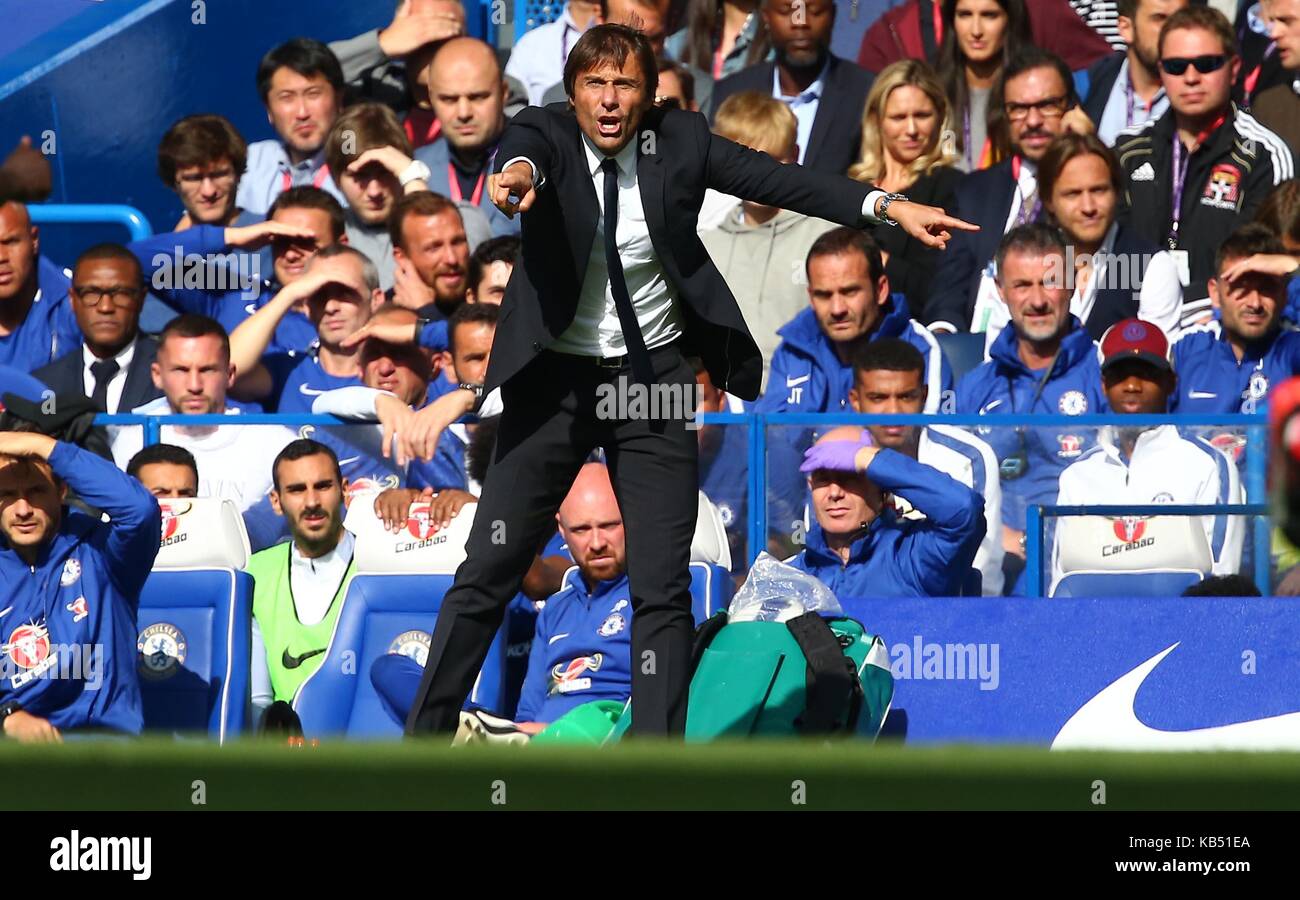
x,y
1026,213
1181,163
317,180
453,186
937,11
564,44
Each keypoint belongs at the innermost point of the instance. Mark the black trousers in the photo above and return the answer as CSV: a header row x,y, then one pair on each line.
x,y
557,409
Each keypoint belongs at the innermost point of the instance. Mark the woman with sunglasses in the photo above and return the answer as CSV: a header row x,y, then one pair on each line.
x,y
907,149
979,36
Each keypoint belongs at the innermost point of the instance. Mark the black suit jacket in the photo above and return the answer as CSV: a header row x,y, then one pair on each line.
x,y
64,376
684,158
983,198
837,130
1114,304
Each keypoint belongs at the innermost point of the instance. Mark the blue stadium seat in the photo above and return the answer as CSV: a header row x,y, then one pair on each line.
x,y
382,613
964,351
1152,583
194,645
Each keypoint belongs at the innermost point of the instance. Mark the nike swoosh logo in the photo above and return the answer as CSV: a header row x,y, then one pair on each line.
x,y
6,611
348,461
1201,395
250,308
986,407
791,382
558,637
309,392
293,662
1108,721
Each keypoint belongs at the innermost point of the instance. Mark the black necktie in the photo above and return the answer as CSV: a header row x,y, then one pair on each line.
x,y
633,341
103,371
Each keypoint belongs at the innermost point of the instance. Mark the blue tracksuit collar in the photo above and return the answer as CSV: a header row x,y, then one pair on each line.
x,y
1253,352
820,554
1075,348
804,334
578,584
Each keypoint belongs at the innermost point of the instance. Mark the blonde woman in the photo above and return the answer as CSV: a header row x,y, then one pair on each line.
x,y
907,148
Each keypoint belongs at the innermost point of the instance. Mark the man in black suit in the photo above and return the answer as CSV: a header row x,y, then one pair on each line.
x,y
826,93
1039,103
111,367
603,309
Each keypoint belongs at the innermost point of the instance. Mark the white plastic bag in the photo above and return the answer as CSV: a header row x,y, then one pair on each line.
x,y
775,592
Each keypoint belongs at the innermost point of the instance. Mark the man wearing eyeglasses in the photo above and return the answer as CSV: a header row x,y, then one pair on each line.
x,y
112,366
1205,165
1039,104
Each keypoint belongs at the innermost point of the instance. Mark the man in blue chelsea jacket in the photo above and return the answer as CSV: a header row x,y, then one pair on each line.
x,y
859,547
73,585
582,646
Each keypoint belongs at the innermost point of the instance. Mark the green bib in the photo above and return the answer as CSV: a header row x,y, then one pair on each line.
x,y
293,650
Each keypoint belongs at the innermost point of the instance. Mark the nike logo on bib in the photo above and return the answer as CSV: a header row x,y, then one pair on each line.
x,y
293,662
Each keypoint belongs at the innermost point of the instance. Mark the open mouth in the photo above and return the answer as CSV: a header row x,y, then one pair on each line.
x,y
609,126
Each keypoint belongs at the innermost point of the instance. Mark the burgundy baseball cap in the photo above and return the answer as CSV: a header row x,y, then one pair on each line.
x,y
1135,339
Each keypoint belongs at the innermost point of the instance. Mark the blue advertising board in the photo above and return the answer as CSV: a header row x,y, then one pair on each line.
x,y
1123,673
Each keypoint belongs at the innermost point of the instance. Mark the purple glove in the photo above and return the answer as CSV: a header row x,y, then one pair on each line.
x,y
838,456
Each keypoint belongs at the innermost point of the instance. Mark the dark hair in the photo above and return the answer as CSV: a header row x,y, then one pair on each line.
x,y
301,449
111,251
481,444
305,56
1280,211
1070,146
193,325
1034,237
1027,59
704,32
848,240
1204,18
199,141
471,314
421,203
1248,240
307,197
684,75
952,64
890,355
613,44
1223,586
505,248
162,453
1127,8
362,127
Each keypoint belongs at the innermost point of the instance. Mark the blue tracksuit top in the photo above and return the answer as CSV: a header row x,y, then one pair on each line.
x,y
901,558
1212,380
1005,386
50,329
83,592
582,650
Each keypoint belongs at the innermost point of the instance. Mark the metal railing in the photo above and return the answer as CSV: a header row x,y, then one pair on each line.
x,y
128,217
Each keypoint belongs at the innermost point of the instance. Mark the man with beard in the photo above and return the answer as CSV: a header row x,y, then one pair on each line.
x,y
432,254
1124,87
1157,464
825,93
299,585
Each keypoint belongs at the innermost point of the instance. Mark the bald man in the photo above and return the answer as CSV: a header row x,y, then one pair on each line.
x,y
859,546
582,647
468,94
37,321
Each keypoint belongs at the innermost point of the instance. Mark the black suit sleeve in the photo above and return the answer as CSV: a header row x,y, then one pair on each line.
x,y
757,177
528,136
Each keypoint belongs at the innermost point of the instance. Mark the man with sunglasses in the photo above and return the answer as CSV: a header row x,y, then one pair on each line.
x,y
112,365
1046,364
1205,165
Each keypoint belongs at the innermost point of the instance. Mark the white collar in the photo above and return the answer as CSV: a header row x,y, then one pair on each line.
x,y
1107,439
340,556
123,357
625,160
808,94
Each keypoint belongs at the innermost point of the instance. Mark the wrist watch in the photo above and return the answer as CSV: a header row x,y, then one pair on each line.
x,y
416,171
7,710
477,388
883,212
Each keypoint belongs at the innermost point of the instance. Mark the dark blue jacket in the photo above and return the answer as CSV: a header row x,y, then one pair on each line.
x,y
903,558
83,592
1212,380
50,329
1005,386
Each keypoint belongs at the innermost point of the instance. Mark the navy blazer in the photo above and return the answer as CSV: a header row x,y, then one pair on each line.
x,y
836,137
65,376
982,198
437,156
1114,304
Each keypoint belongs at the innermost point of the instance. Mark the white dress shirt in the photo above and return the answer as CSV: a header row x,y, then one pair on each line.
x,y
537,59
115,384
803,105
1026,189
1125,109
314,582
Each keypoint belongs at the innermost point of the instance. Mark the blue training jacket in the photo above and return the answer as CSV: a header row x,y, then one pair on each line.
x,y
50,329
582,650
899,557
83,593
1212,380
1006,386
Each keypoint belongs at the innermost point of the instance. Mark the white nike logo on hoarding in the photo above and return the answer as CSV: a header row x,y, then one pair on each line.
x,y
1109,722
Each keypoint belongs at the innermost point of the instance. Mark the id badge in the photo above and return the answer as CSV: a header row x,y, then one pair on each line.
x,y
1183,262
